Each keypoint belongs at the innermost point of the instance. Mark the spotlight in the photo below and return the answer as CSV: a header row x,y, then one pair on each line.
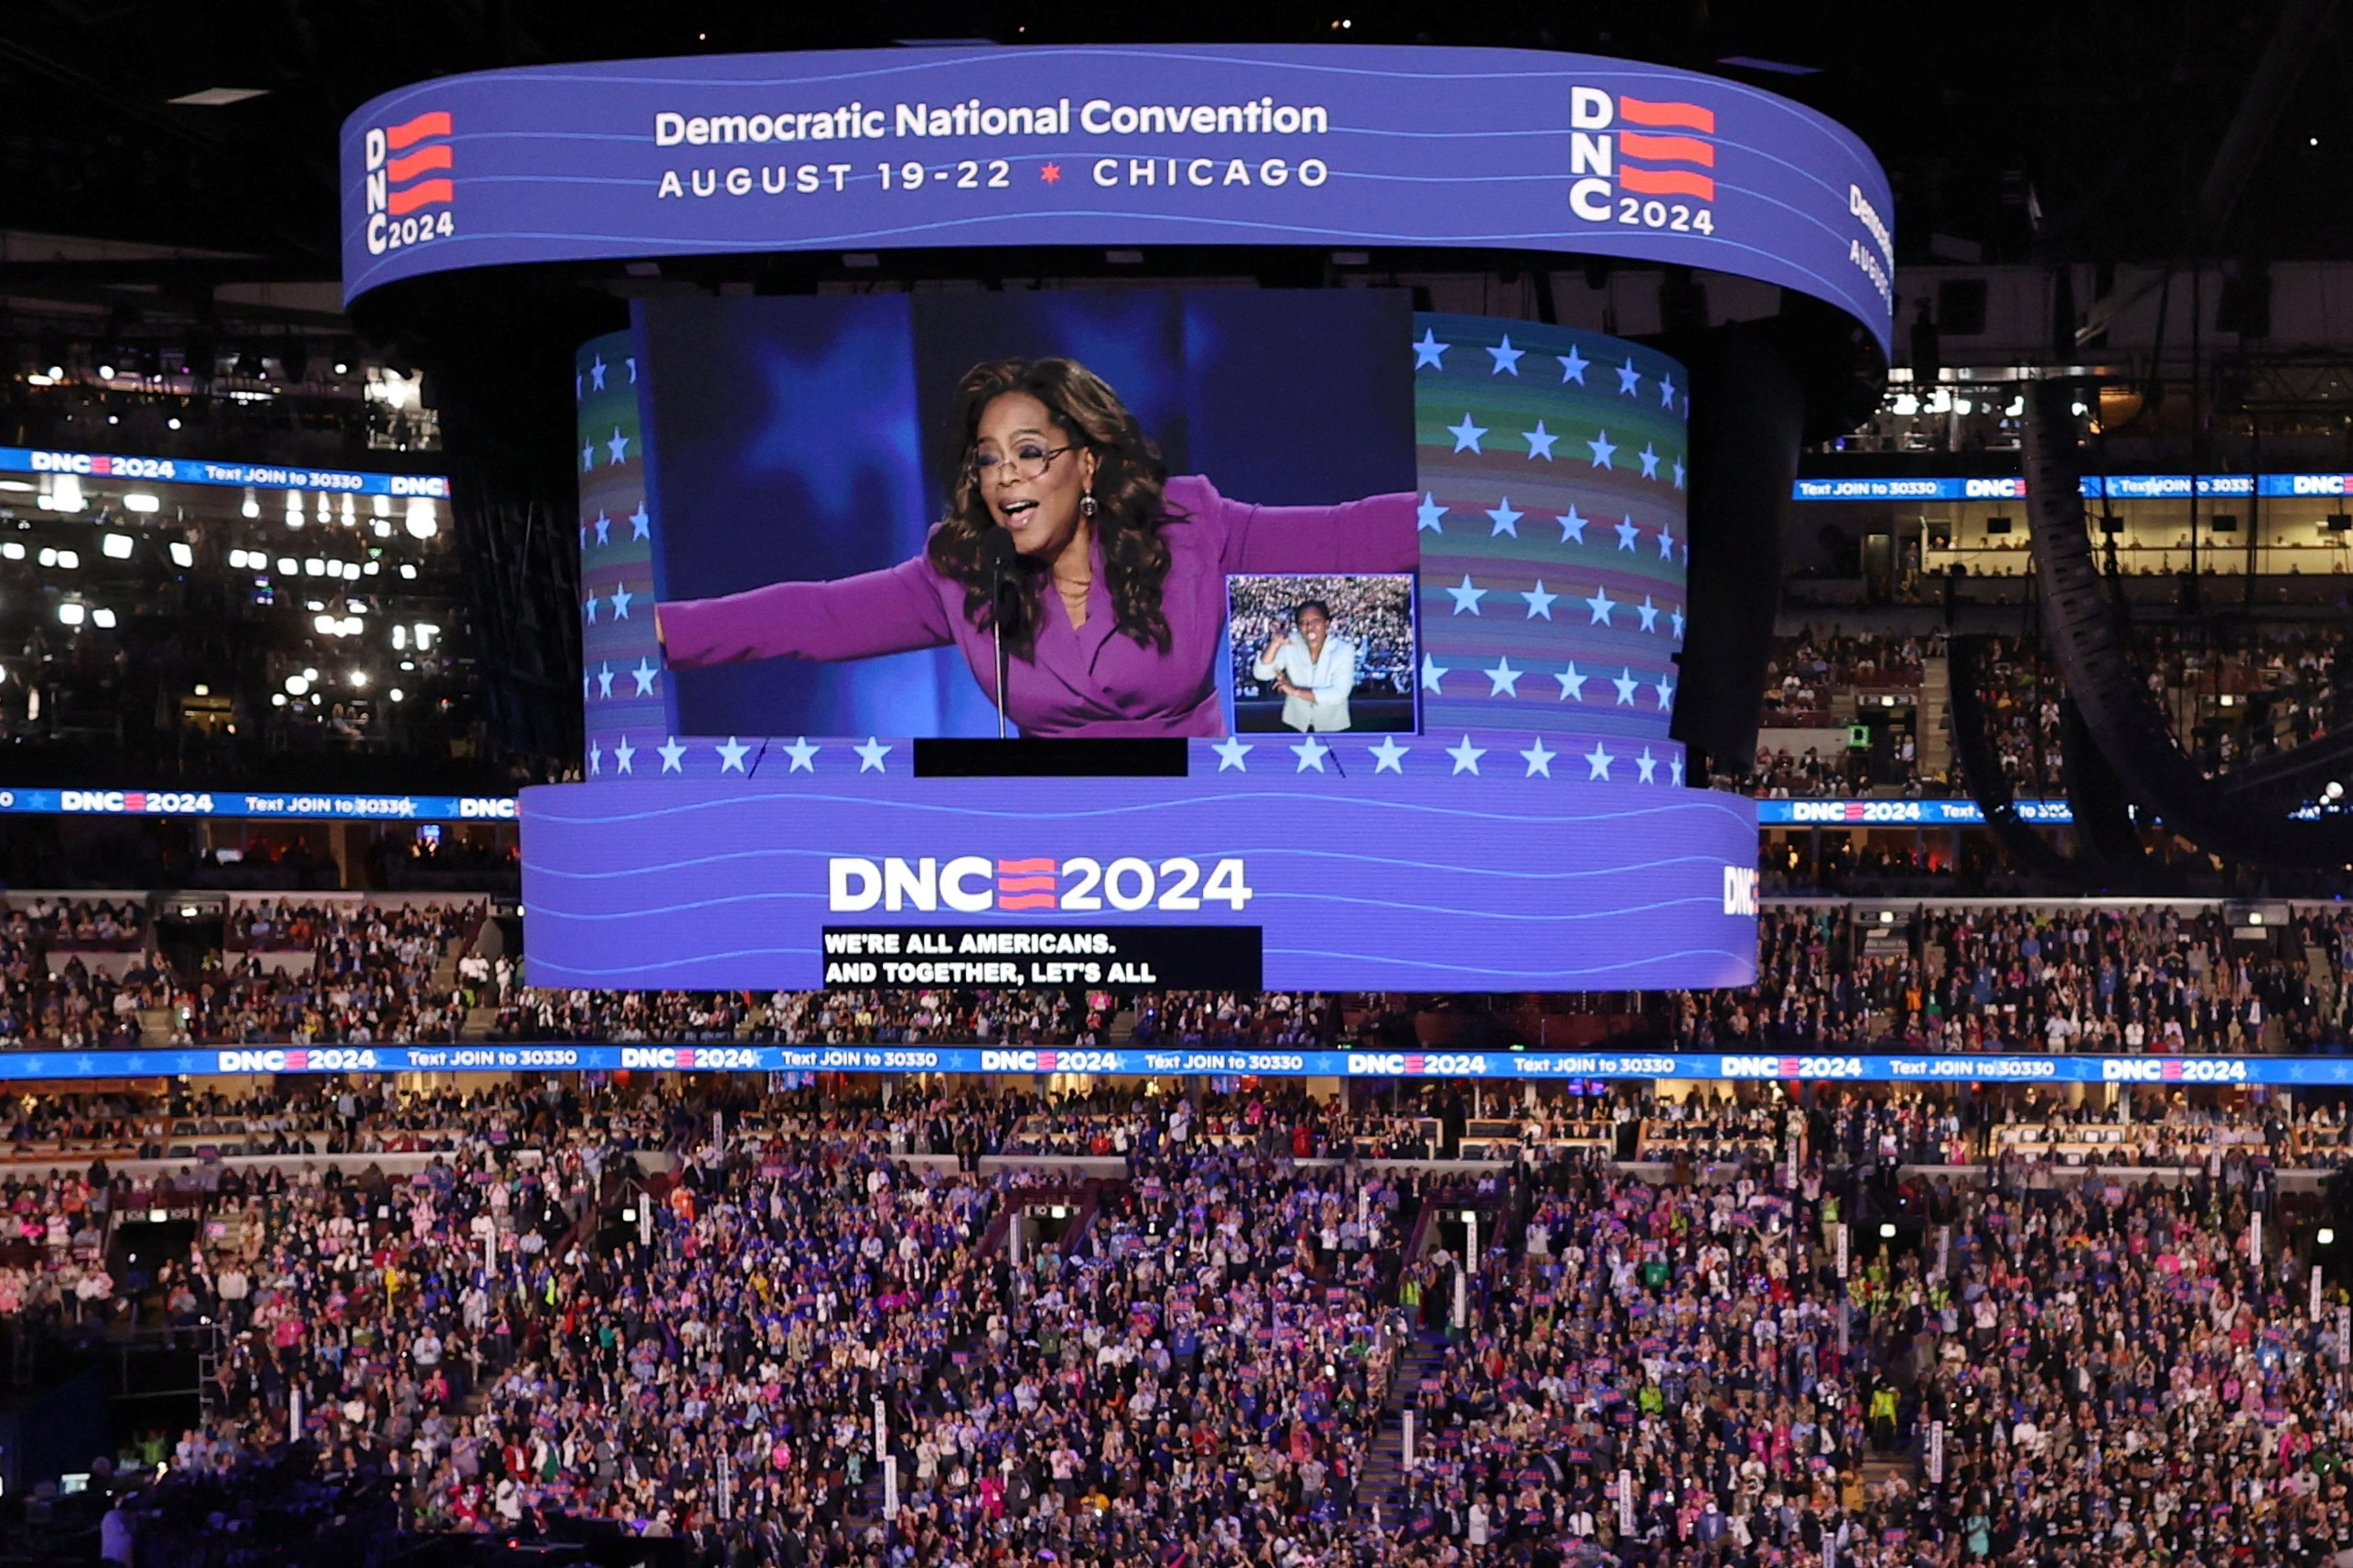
x,y
71,614
116,546
2325,1237
1886,1231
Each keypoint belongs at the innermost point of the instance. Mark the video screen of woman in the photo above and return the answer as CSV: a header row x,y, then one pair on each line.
x,y
881,514
1123,512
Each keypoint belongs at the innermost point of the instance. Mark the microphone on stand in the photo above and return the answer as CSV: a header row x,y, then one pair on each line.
x,y
1005,596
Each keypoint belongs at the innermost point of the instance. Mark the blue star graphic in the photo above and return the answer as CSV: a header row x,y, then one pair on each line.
x,y
1539,442
621,597
1602,606
1666,690
1540,603
1675,772
622,753
871,755
1503,681
1667,391
1231,752
1649,455
1629,380
1506,521
588,607
1572,686
731,756
1311,753
604,528
644,675
619,445
803,755
596,759
640,525
1648,612
1507,358
1427,515
1573,527
1387,756
1467,434
1602,449
1467,597
1572,366
1627,533
1666,545
1679,473
1465,756
1429,352
673,756
1646,767
1433,674
596,373
1597,763
1677,616
587,457
1539,760
1627,686
605,682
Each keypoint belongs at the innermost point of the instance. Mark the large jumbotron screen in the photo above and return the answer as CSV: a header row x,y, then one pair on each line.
x,y
1354,627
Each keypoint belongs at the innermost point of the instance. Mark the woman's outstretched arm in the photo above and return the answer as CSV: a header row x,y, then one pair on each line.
x,y
894,610
1375,535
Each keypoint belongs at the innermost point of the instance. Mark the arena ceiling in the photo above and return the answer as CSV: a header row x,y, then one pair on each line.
x,y
2011,131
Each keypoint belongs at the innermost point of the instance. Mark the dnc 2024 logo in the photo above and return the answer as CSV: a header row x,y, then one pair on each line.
x,y
1641,164
410,195
976,883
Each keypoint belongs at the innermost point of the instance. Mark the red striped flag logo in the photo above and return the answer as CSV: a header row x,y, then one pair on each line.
x,y
1641,163
408,178
1028,884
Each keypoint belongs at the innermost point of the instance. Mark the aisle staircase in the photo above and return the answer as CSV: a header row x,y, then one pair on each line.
x,y
2323,975
1936,703
1383,1481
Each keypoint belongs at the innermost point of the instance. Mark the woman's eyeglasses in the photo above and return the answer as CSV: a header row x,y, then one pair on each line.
x,y
1027,462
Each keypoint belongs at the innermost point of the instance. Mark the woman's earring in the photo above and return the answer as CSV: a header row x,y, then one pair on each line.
x,y
1087,504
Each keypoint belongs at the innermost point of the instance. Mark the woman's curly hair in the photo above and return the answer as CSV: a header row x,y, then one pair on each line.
x,y
1129,505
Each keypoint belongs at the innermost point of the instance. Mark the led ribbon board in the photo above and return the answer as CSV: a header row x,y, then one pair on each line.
x,y
1314,146
1583,1067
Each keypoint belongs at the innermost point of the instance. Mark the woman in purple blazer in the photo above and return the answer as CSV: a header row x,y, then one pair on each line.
x,y
1114,605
